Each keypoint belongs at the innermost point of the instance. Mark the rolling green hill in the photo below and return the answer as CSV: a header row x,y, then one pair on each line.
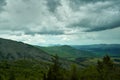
x,y
67,52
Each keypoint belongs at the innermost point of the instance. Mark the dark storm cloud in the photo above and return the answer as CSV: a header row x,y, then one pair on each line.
x,y
99,15
53,4
82,2
92,15
101,29
60,21
45,32
91,25
106,26
2,3
76,3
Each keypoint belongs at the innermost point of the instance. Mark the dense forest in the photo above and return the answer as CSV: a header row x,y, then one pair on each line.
x,y
105,69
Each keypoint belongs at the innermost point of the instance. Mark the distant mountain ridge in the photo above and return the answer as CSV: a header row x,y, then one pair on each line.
x,y
98,46
12,50
101,49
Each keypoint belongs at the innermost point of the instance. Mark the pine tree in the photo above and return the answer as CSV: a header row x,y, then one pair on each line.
x,y
105,68
108,63
74,73
44,76
12,76
1,78
54,72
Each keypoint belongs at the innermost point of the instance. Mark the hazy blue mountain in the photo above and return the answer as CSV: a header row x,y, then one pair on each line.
x,y
101,49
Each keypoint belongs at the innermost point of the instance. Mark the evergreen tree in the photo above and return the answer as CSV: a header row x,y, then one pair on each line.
x,y
108,63
54,72
105,68
1,78
74,73
44,76
12,76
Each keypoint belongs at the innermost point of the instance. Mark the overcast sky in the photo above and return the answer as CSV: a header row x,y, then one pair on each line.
x,y
43,22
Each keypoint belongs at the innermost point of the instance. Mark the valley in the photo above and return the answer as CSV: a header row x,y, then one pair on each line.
x,y
20,61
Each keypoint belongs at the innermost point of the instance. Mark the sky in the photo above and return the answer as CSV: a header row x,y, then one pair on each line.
x,y
69,22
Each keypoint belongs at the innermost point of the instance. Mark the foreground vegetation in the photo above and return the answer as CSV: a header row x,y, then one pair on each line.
x,y
36,70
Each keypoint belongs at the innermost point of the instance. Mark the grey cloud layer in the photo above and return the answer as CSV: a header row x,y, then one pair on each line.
x,y
2,3
56,17
100,15
53,4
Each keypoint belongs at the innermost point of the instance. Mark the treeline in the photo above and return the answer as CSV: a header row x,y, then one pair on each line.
x,y
105,69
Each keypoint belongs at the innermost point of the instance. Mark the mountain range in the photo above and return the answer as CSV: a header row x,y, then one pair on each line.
x,y
85,54
112,50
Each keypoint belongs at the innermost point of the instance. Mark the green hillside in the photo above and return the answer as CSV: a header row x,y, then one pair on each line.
x,y
12,50
67,52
